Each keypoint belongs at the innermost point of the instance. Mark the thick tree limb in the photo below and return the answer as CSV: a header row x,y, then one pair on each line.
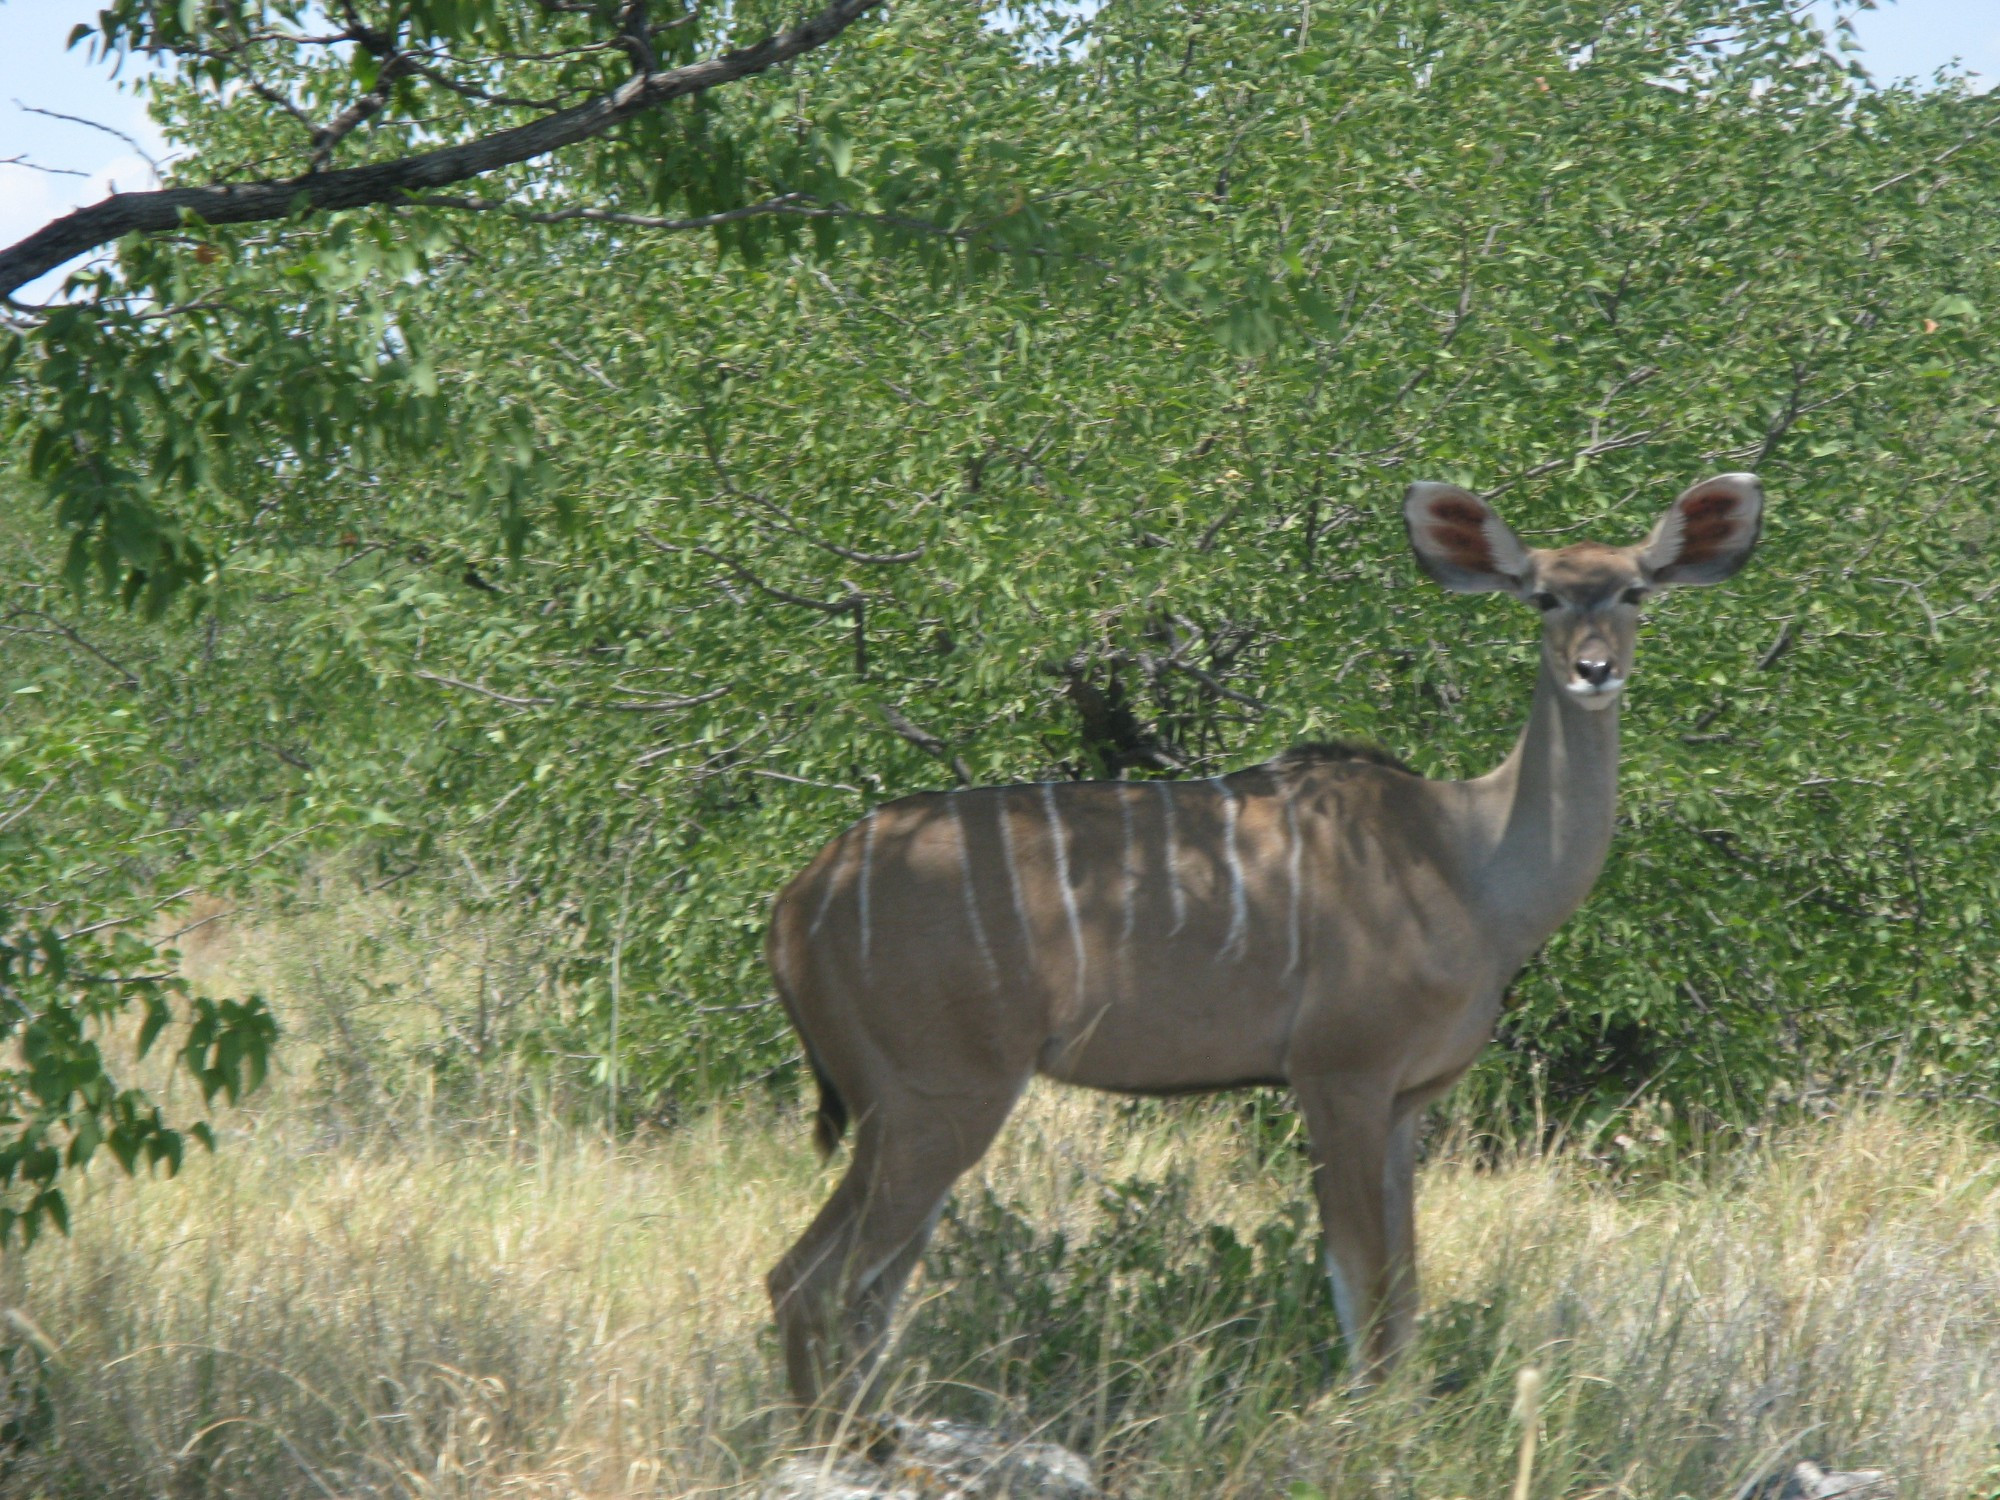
x,y
385,182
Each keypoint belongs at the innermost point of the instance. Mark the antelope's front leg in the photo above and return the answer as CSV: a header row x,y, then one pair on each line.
x,y
1352,1126
1399,1186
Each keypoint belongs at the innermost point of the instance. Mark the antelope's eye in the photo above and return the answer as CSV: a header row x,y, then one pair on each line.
x,y
1633,596
1545,602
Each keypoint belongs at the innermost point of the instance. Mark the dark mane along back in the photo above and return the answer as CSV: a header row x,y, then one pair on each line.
x,y
1325,752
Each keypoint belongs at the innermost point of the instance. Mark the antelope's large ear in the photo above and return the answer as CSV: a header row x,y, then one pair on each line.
x,y
1461,542
1707,534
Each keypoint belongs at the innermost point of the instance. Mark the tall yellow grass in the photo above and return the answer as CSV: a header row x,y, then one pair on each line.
x,y
358,1297
557,1316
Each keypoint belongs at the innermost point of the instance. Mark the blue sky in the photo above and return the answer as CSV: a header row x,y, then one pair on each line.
x,y
1914,38
1903,39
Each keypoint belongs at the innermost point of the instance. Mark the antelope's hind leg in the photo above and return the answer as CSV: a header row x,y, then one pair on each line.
x,y
873,1309
835,1291
805,1286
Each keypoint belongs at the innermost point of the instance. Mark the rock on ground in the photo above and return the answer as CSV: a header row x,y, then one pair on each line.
x,y
1808,1481
938,1461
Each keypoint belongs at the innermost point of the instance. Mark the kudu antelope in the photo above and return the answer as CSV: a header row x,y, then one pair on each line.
x,y
1328,920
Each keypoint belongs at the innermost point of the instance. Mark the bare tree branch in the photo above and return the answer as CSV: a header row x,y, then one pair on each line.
x,y
15,814
853,602
357,114
472,91
793,204
829,786
55,114
1942,157
1588,451
386,182
616,705
785,518
1214,684
35,166
484,692
283,101
927,742
130,678
667,705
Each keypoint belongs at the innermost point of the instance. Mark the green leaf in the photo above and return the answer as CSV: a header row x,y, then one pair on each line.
x,y
157,1016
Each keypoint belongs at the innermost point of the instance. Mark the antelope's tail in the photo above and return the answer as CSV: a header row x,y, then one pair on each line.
x,y
830,1123
830,1119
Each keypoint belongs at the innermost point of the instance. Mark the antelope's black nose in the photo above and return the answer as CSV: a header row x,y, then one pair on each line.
x,y
1594,670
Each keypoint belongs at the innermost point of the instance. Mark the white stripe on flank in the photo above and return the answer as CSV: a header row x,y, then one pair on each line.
x,y
1062,879
1131,869
867,866
1013,873
1239,905
971,896
1297,852
1173,860
829,885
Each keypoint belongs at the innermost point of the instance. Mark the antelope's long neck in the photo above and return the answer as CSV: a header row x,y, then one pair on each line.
x,y
1539,826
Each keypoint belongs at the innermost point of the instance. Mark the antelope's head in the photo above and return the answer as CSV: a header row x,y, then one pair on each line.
x,y
1589,594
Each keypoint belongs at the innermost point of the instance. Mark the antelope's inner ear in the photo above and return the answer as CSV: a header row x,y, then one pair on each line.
x,y
1707,533
1462,543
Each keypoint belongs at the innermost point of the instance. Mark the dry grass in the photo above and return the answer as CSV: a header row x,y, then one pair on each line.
x,y
361,1297
552,1316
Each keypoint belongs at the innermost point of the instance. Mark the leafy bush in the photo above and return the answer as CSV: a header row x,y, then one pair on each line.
x,y
656,559
1150,1300
81,862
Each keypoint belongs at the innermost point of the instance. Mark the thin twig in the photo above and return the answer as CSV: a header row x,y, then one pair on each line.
x,y
57,627
55,114
21,812
483,691
1941,158
851,603
35,166
927,742
787,203
831,786
666,705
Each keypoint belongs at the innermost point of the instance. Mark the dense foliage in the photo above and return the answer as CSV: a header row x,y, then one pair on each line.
x,y
92,845
620,565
